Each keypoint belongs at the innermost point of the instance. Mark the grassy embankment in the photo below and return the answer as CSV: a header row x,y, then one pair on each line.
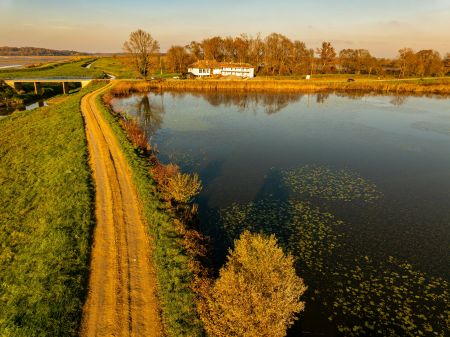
x,y
178,300
407,86
121,68
46,218
115,66
60,69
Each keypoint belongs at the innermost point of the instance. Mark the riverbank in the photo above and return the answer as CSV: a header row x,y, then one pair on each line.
x,y
46,219
122,298
172,260
404,86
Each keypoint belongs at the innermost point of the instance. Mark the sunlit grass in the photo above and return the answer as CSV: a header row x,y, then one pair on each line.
x,y
64,69
46,217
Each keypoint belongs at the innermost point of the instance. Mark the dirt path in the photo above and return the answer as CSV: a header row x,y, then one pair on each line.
x,y
122,297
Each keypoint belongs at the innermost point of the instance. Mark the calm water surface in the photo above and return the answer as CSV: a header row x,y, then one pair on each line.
x,y
356,188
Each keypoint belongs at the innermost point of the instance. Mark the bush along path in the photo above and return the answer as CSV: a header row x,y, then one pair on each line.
x,y
180,250
122,292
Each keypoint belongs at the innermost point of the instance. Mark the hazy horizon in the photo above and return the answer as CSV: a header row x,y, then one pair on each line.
x,y
102,26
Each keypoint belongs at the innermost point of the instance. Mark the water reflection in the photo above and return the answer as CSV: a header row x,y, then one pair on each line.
x,y
6,111
149,113
398,100
272,102
307,171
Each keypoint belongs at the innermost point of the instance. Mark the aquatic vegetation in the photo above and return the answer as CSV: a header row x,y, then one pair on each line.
x,y
389,298
301,228
363,296
326,183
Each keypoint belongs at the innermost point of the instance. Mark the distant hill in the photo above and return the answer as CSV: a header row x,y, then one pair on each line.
x,y
33,51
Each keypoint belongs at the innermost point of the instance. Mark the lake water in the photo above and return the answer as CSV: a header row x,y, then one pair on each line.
x,y
356,187
6,111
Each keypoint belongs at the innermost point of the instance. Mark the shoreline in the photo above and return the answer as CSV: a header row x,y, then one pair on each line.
x,y
439,86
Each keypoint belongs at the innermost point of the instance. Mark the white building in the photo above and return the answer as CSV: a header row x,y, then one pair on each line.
x,y
205,68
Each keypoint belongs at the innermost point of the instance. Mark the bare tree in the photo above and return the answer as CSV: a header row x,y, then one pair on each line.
x,y
142,49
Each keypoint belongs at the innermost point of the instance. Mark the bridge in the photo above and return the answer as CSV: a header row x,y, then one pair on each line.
x,y
16,84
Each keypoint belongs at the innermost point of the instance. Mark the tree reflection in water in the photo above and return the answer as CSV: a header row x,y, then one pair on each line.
x,y
149,114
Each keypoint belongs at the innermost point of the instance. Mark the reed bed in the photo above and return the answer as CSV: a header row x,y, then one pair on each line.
x,y
437,86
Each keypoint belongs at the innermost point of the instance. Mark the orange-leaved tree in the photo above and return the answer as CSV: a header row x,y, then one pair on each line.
x,y
257,293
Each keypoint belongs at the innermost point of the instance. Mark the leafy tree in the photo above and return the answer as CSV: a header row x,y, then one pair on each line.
x,y
178,59
278,54
142,49
257,292
213,48
447,63
429,63
327,56
356,61
407,61
301,58
196,50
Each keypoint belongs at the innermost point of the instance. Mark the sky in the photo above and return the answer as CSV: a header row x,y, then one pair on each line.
x,y
382,26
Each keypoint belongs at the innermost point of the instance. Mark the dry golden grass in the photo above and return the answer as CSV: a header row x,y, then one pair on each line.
x,y
432,86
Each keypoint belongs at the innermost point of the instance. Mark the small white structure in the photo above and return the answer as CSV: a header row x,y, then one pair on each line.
x,y
205,68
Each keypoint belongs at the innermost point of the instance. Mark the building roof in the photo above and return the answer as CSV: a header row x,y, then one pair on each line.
x,y
204,64
235,65
212,64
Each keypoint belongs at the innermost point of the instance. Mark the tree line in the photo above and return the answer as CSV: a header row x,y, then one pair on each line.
x,y
33,51
276,54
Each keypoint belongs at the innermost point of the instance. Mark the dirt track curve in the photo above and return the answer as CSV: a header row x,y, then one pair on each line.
x,y
122,298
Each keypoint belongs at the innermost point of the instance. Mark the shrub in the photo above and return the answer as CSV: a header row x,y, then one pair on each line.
x,y
257,292
182,187
136,135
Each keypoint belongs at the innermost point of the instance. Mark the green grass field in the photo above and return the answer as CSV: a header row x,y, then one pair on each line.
x,y
46,218
118,67
65,69
114,66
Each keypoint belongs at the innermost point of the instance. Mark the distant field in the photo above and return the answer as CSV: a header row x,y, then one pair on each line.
x,y
23,61
65,69
115,66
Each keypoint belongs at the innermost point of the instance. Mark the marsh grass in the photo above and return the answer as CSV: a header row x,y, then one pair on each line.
x,y
361,295
406,86
46,218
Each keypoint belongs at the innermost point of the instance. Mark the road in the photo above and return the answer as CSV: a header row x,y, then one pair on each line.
x,y
122,299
